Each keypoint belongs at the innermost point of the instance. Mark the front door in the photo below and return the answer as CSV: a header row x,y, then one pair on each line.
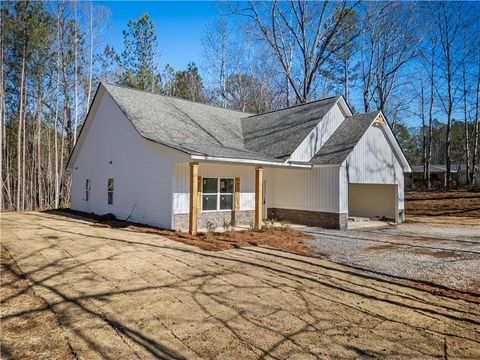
x,y
264,207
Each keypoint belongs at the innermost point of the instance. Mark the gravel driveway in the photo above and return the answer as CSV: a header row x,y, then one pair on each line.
x,y
447,255
120,294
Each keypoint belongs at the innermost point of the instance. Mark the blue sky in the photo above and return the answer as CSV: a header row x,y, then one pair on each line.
x,y
180,26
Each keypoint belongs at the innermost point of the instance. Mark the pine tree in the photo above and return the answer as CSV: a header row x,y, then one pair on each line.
x,y
189,84
139,55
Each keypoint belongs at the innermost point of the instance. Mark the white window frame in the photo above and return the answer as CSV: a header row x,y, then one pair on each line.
x,y
87,189
218,193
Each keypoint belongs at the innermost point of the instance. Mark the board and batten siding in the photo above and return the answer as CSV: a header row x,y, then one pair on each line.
x,y
319,135
314,189
372,161
181,183
142,170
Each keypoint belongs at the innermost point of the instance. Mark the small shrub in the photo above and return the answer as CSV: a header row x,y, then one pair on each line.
x,y
210,226
286,224
226,225
270,223
252,226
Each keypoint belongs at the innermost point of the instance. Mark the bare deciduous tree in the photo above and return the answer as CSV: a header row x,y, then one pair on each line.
x,y
389,43
315,28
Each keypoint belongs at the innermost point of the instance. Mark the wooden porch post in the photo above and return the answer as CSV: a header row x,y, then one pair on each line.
x,y
192,224
258,197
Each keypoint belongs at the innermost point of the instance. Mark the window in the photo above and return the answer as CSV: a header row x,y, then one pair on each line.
x,y
209,194
226,194
87,189
217,194
110,191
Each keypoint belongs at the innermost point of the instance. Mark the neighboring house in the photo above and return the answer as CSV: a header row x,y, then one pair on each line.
x,y
174,163
438,175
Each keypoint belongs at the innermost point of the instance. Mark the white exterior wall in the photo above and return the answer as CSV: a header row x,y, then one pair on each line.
x,y
142,170
372,161
319,135
299,189
181,183
314,189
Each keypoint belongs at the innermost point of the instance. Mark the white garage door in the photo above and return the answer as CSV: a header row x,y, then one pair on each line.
x,y
372,200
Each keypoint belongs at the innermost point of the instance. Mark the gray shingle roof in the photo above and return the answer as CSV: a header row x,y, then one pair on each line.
x,y
454,168
278,133
433,168
201,129
343,140
188,126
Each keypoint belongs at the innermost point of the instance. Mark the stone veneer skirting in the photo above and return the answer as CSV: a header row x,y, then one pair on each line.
x,y
311,218
244,217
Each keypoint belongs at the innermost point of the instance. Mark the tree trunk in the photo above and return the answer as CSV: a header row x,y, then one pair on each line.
x,y
475,127
76,78
39,143
90,72
55,126
467,141
430,117
24,145
345,75
424,136
19,134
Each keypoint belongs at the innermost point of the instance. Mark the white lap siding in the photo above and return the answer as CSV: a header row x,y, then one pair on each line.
x,y
372,161
305,189
142,170
181,183
319,135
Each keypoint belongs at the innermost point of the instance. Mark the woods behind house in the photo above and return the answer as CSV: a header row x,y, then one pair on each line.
x,y
418,62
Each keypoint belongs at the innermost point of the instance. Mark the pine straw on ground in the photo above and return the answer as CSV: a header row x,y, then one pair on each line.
x,y
280,238
443,203
34,333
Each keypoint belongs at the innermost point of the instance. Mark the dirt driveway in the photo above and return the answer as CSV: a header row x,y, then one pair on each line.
x,y
122,294
444,254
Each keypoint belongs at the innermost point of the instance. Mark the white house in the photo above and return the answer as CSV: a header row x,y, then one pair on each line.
x,y
177,164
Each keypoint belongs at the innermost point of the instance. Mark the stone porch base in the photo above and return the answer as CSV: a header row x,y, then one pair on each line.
x,y
244,217
311,218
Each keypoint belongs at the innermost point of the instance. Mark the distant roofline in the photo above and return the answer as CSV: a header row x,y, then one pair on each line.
x,y
248,114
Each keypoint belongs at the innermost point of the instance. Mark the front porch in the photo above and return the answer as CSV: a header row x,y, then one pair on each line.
x,y
217,194
217,200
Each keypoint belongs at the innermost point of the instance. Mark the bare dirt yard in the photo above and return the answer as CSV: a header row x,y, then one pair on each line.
x,y
443,204
122,294
21,335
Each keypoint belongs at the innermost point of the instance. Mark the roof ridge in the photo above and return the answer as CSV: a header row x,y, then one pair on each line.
x,y
294,106
248,114
365,113
174,97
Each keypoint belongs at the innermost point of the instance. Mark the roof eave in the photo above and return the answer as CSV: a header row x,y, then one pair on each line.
x,y
207,158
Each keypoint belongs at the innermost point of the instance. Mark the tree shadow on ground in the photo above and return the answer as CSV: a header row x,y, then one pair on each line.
x,y
309,281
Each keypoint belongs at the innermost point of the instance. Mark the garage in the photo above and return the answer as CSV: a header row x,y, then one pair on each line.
x,y
373,201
